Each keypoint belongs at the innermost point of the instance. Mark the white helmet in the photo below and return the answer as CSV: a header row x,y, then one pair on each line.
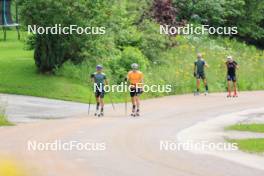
x,y
134,66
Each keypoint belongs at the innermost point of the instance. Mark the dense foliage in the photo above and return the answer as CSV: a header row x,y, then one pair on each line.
x,y
132,35
247,15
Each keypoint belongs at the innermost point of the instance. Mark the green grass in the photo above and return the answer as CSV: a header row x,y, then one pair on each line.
x,y
19,75
250,145
259,128
4,121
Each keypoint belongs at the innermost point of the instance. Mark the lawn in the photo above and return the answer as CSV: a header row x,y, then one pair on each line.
x,y
259,128
19,75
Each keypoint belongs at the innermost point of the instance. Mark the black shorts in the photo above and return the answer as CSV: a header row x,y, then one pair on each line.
x,y
135,92
98,93
200,76
231,78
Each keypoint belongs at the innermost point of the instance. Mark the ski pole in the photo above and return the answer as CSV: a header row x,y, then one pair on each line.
x,y
111,101
125,103
89,107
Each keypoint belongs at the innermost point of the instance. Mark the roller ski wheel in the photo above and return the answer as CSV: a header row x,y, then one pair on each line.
x,y
206,93
133,114
235,96
229,96
137,114
100,114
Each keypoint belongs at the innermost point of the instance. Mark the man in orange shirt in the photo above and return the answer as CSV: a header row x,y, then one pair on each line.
x,y
135,78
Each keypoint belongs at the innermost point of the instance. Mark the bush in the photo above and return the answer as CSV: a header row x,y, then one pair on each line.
x,y
51,51
121,65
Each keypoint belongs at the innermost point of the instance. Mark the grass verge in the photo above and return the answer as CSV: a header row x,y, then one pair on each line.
x,y
4,121
259,128
250,145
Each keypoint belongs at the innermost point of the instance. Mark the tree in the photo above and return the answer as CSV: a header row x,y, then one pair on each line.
x,y
51,50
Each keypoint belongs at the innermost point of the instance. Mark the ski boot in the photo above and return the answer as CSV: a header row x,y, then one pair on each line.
x,y
206,93
96,113
229,95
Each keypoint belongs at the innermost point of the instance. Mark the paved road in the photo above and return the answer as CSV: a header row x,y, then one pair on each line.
x,y
132,144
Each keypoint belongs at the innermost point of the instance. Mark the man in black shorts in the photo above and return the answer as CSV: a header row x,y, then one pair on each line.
x,y
199,73
135,79
100,80
231,66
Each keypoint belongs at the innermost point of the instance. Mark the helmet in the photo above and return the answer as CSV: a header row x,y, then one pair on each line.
x,y
134,66
99,67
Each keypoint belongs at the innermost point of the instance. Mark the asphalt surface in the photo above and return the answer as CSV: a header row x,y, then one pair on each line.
x,y
132,145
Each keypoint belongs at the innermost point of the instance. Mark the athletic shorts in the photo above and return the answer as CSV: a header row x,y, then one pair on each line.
x,y
99,93
231,78
135,92
200,76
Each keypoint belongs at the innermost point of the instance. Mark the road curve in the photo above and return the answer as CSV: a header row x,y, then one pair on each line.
x,y
132,144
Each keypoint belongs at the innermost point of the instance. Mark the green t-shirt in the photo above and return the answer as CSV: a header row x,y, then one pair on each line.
x,y
200,64
99,78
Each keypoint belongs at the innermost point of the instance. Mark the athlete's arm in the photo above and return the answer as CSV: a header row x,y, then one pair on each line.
x,y
206,65
194,69
106,82
142,78
237,66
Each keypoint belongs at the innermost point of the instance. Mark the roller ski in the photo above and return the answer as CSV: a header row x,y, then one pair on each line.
x,y
101,114
206,93
235,95
133,114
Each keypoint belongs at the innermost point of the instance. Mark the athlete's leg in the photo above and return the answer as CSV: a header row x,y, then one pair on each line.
x,y
97,103
205,84
102,104
229,88
235,88
198,84
133,99
137,103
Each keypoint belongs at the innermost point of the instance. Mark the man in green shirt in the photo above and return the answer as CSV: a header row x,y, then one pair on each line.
x,y
199,73
99,79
